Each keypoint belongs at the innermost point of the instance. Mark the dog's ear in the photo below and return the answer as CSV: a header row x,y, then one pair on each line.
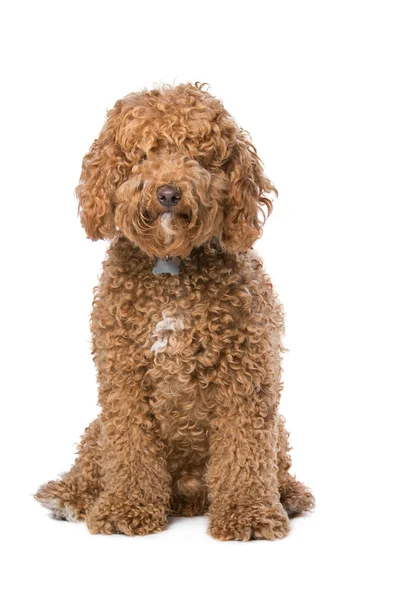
x,y
248,186
102,169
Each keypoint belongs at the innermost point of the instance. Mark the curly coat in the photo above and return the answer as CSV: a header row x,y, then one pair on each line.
x,y
189,365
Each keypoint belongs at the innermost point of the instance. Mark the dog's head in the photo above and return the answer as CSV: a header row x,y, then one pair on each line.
x,y
172,170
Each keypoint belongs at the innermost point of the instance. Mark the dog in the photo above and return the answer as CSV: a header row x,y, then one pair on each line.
x,y
186,330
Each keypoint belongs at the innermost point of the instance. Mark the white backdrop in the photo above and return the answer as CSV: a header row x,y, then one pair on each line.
x,y
317,85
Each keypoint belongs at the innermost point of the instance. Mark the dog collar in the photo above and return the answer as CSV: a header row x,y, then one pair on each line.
x,y
168,265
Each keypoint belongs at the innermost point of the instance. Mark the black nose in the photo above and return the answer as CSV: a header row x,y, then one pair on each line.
x,y
168,195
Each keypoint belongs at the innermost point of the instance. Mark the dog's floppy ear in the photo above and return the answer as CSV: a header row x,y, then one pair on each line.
x,y
102,168
248,186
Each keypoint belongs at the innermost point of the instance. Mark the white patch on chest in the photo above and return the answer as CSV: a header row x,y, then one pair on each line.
x,y
164,330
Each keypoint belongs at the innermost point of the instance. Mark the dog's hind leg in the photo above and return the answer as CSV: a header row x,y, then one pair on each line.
x,y
296,498
74,494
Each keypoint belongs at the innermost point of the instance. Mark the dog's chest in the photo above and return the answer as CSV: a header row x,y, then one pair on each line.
x,y
178,361
188,323
185,330
178,330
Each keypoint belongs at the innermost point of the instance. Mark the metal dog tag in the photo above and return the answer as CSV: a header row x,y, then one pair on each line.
x,y
167,265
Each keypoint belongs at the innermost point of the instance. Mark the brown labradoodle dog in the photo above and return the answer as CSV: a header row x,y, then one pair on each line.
x,y
186,330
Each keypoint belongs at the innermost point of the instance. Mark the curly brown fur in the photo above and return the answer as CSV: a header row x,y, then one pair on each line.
x,y
188,365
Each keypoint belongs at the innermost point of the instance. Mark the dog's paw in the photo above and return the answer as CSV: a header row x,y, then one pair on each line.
x,y
106,517
244,523
58,498
296,498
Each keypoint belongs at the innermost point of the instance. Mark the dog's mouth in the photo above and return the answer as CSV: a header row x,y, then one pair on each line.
x,y
173,220
173,214
186,217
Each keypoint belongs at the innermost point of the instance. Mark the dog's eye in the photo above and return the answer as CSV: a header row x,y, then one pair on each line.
x,y
142,157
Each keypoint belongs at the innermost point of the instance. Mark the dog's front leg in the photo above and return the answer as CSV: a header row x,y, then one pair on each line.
x,y
136,486
243,472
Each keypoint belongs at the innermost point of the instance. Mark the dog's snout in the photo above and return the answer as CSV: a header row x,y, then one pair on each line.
x,y
168,195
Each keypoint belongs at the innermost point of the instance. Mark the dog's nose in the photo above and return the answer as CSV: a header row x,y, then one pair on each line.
x,y
168,195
